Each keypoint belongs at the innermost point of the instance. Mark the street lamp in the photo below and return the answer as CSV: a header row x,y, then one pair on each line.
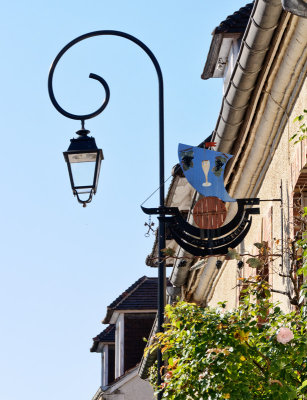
x,y
83,156
72,155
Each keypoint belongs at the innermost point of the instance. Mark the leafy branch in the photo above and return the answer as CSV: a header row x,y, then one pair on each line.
x,y
302,129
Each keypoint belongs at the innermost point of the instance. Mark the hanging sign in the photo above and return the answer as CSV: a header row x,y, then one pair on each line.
x,y
208,234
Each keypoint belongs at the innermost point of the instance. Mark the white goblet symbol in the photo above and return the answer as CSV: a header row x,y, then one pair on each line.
x,y
206,166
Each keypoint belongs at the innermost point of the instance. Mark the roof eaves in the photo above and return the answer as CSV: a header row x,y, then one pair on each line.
x,y
107,336
98,394
212,56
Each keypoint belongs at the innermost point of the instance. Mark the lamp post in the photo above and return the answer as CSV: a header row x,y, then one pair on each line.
x,y
84,150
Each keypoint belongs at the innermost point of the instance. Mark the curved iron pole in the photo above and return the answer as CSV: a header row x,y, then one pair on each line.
x,y
161,231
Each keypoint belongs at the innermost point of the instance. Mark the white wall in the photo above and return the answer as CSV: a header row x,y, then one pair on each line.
x,y
119,346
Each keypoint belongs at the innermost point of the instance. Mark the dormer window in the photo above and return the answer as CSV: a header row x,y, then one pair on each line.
x,y
225,45
130,317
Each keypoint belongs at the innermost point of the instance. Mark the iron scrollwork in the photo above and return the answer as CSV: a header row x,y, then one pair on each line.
x,y
206,242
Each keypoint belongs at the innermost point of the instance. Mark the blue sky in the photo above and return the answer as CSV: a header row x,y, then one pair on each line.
x,y
61,264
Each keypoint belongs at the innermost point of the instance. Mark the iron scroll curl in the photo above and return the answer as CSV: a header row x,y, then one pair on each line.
x,y
97,77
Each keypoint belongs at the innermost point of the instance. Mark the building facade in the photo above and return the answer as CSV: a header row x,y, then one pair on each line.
x,y
261,54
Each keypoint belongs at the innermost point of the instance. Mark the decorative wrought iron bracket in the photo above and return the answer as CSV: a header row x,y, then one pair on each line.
x,y
206,242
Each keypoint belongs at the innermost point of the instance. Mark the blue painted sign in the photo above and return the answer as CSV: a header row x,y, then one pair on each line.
x,y
204,170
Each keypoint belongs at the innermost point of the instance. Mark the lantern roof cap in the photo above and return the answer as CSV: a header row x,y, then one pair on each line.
x,y
83,143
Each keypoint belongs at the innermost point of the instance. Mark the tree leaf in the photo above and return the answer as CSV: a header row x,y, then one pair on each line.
x,y
232,254
303,385
254,262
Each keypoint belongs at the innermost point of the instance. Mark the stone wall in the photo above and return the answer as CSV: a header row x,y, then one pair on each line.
x,y
286,165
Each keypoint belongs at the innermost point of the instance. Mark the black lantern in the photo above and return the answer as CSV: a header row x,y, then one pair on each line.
x,y
83,161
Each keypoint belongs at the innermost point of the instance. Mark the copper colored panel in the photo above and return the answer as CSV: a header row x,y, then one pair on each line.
x,y
209,213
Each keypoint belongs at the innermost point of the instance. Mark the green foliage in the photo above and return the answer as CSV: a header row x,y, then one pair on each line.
x,y
301,246
212,353
254,262
168,252
233,255
302,129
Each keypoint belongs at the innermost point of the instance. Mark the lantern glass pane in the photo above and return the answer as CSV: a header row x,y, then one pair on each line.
x,y
83,173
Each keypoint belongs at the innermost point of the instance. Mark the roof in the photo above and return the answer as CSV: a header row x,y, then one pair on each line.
x,y
106,336
121,378
116,384
142,295
237,22
232,27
